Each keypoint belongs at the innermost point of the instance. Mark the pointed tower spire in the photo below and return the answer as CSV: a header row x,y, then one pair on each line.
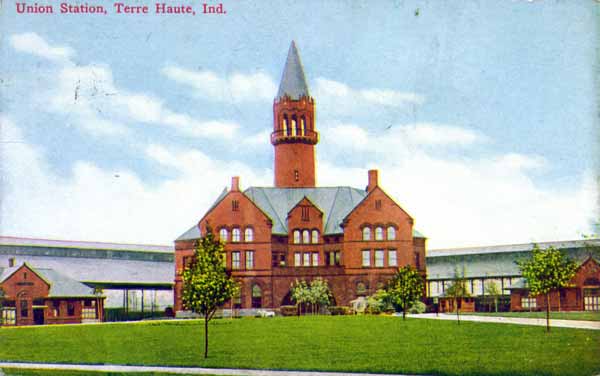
x,y
293,82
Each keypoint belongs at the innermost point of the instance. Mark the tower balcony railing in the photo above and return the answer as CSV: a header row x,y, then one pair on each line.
x,y
306,136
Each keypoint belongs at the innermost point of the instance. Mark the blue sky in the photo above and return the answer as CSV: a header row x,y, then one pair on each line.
x,y
480,117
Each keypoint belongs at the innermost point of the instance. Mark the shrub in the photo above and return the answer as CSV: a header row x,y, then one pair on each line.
x,y
417,307
288,310
339,310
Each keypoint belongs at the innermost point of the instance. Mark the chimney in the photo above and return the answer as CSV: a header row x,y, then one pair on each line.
x,y
235,184
373,180
11,262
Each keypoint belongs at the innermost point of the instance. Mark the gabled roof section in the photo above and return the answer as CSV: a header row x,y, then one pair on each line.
x,y
8,272
191,234
386,195
293,82
309,201
60,285
334,202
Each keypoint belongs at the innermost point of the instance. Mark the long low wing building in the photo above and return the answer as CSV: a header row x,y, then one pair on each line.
x,y
133,276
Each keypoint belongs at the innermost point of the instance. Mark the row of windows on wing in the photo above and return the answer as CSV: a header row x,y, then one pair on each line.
x,y
379,258
292,127
236,234
380,233
305,236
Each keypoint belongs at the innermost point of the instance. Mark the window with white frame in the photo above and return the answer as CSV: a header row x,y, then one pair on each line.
x,y
235,235
315,259
249,234
298,259
305,236
315,236
223,234
378,233
392,257
306,259
366,233
296,236
249,260
366,258
379,256
88,313
391,233
528,302
235,260
9,316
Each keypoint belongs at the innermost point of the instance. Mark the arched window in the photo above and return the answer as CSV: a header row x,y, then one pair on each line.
x,y
223,233
294,125
235,235
315,236
285,125
256,296
378,233
296,236
366,233
305,236
302,126
391,233
249,235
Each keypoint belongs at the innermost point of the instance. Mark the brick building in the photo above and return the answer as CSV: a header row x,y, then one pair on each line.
x,y
43,296
354,238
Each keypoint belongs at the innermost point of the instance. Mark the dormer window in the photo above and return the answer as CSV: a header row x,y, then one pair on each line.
x,y
235,235
379,233
366,233
249,235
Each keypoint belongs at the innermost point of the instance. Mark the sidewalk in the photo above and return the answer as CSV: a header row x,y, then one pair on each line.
x,y
593,325
177,370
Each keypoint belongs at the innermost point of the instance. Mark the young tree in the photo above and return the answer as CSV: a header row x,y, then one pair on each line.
x,y
300,294
546,271
405,288
320,293
492,290
206,283
458,290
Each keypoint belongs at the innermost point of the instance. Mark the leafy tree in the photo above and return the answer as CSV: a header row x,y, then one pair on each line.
x,y
315,294
1,305
98,291
492,290
379,302
206,283
458,290
405,288
546,271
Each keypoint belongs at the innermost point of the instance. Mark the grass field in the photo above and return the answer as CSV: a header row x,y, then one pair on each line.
x,y
586,316
339,343
36,372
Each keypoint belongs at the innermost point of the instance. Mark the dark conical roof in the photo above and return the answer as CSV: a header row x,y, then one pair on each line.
x,y
293,82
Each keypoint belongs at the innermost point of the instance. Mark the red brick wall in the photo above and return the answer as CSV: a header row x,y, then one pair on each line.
x,y
24,285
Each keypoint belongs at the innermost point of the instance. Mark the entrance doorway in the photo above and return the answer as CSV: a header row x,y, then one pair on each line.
x,y
38,316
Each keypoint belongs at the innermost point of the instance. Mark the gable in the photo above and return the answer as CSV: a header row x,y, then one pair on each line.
x,y
21,279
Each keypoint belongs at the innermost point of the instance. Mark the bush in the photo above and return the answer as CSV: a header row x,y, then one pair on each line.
x,y
288,310
417,307
339,310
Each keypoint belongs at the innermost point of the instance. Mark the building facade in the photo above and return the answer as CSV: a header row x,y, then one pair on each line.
x,y
43,296
354,238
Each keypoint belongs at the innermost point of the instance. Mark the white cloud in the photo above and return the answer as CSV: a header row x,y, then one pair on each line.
x,y
339,98
34,44
237,88
98,204
89,94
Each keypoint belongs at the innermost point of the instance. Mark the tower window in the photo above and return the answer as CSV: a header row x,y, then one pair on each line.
x,y
296,175
294,125
302,126
285,125
235,205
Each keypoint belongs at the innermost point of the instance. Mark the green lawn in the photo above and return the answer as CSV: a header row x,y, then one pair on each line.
x,y
586,316
329,343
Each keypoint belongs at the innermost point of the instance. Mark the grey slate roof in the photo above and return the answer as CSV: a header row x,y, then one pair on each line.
x,y
50,243
334,202
60,284
293,82
192,233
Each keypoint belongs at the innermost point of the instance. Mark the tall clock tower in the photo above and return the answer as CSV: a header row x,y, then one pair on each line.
x,y
294,136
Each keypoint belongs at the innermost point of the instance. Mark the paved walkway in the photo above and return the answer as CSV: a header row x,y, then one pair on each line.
x,y
593,325
177,370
